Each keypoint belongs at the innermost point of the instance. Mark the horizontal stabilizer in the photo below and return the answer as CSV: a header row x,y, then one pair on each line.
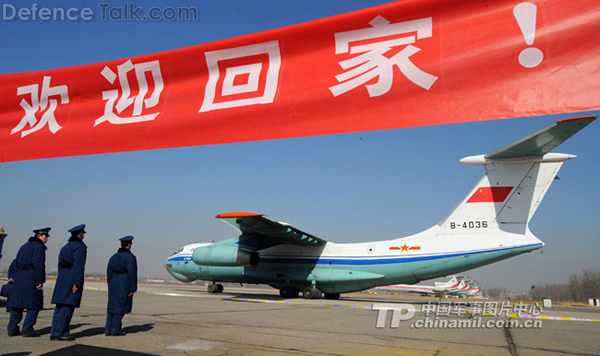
x,y
543,141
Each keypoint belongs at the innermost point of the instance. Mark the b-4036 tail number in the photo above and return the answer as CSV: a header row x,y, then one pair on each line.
x,y
469,225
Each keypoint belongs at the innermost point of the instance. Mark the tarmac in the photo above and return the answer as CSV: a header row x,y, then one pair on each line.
x,y
178,319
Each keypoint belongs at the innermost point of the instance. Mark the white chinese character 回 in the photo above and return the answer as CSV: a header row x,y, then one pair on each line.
x,y
370,59
140,101
249,81
44,102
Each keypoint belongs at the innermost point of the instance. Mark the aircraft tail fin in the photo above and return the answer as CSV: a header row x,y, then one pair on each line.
x,y
516,180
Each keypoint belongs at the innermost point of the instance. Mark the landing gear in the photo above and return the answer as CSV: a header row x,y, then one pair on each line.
x,y
215,288
289,292
332,295
311,293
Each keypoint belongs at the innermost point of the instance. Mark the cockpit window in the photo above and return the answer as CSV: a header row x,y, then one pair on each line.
x,y
178,251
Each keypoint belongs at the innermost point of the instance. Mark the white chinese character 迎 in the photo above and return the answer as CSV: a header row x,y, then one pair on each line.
x,y
43,101
371,61
251,78
140,101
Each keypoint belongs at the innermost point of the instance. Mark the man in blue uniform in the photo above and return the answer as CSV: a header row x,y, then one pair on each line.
x,y
121,274
29,276
69,284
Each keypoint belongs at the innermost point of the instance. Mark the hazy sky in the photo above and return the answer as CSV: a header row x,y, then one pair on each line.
x,y
344,188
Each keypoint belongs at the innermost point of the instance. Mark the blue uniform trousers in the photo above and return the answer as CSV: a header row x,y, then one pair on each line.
x,y
61,320
16,315
114,322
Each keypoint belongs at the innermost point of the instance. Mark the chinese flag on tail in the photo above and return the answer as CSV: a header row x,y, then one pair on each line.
x,y
407,63
490,195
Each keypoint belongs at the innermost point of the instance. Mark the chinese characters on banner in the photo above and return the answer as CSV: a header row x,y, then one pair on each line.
x,y
408,63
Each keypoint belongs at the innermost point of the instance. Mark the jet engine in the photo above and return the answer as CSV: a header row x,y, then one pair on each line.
x,y
224,256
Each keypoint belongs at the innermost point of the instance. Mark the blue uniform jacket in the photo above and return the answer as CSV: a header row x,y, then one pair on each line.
x,y
122,280
29,270
71,269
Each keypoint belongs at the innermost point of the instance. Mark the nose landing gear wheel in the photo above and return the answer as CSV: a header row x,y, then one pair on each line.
x,y
215,288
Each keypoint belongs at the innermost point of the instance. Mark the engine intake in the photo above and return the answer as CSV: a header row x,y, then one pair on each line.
x,y
224,256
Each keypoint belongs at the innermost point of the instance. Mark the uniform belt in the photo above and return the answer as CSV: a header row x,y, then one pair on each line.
x,y
120,272
27,268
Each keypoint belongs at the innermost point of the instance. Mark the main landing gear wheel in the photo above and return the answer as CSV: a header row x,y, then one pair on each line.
x,y
311,293
289,292
215,288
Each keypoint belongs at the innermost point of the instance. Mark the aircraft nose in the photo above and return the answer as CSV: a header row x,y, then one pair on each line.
x,y
169,266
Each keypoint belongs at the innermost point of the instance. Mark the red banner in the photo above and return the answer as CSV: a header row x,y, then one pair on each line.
x,y
408,63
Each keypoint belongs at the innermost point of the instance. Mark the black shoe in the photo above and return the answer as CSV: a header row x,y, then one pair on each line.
x,y
62,338
15,334
120,333
32,334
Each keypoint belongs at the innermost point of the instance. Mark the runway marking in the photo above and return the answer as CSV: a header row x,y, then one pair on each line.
x,y
347,306
252,300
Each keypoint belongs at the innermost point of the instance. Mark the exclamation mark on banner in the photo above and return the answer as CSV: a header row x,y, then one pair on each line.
x,y
526,13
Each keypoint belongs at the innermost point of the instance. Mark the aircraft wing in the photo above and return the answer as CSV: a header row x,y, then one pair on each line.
x,y
256,227
543,141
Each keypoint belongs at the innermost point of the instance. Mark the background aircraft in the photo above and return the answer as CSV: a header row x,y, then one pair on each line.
x,y
490,224
455,286
438,288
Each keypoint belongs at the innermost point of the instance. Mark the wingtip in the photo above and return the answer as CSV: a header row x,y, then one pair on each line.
x,y
236,215
588,118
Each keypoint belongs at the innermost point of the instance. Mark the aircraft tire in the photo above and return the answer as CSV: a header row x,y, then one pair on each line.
x,y
332,295
212,288
311,293
289,292
219,288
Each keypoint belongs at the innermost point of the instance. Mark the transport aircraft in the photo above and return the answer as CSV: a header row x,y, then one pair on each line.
x,y
489,225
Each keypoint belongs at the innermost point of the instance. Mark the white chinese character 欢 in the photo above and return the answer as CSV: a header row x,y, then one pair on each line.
x,y
370,45
241,76
43,101
141,101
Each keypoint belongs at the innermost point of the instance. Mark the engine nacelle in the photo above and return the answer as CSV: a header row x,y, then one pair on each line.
x,y
224,256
